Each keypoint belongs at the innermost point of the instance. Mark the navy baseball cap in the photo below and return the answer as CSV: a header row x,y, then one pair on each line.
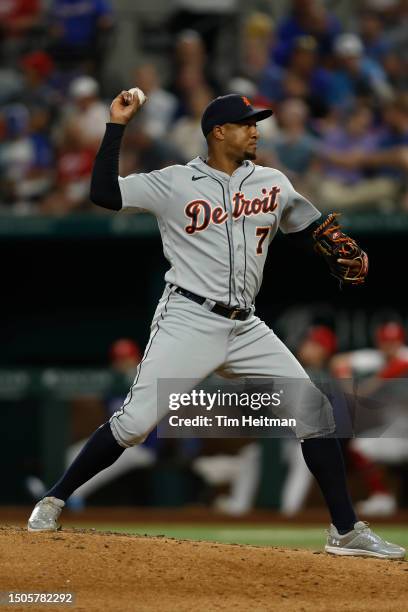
x,y
230,109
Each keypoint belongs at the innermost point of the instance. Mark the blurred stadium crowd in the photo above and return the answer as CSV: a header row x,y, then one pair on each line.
x,y
339,92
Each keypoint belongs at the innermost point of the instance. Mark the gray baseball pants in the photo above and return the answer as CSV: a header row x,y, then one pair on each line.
x,y
189,342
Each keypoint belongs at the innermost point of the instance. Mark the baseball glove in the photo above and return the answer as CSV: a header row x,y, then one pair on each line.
x,y
347,262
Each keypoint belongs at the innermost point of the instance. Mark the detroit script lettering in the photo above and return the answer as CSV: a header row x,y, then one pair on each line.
x,y
202,213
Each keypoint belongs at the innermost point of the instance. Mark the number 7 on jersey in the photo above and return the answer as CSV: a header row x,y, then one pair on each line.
x,y
262,233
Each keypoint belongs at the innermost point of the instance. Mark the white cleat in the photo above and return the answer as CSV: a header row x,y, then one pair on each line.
x,y
379,504
45,515
362,542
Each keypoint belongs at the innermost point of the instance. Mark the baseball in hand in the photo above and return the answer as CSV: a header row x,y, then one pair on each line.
x,y
135,91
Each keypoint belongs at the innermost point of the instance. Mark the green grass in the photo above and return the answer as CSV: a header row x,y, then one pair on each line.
x,y
292,537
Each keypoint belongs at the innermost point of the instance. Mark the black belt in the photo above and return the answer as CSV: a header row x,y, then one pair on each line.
x,y
229,313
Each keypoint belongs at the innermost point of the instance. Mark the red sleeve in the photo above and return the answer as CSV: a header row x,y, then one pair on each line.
x,y
26,8
394,369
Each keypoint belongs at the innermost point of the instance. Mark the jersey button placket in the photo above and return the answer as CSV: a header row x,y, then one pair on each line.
x,y
237,247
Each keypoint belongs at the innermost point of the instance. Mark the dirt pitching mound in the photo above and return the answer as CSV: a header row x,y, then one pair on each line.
x,y
109,571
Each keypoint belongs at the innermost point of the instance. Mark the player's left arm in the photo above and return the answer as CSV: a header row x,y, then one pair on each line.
x,y
304,223
345,258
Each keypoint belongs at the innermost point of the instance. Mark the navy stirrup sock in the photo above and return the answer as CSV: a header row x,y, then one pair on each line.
x,y
324,458
99,452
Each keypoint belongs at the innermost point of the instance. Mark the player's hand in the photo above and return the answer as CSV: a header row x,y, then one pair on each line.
x,y
124,107
353,264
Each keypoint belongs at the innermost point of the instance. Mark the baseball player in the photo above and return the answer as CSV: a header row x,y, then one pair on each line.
x,y
125,355
387,443
217,217
315,353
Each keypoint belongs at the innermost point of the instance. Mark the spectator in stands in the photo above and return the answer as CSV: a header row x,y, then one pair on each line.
x,y
306,18
390,157
396,120
15,151
38,178
189,51
79,31
78,136
372,32
312,82
293,145
19,22
158,114
303,63
396,70
186,134
38,70
26,157
73,174
125,355
390,350
246,88
315,352
191,70
355,75
88,114
394,16
257,39
11,84
349,188
388,443
304,58
142,153
212,19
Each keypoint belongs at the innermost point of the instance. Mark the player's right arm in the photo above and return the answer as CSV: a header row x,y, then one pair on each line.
x,y
137,191
105,190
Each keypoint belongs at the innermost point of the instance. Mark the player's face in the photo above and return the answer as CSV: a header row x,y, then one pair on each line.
x,y
312,355
241,139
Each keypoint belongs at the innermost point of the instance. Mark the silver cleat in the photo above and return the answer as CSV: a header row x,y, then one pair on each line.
x,y
45,515
361,542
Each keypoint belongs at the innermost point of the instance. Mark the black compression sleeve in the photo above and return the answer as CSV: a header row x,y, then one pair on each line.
x,y
105,190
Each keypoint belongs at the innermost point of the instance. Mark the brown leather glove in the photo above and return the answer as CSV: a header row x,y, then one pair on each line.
x,y
346,260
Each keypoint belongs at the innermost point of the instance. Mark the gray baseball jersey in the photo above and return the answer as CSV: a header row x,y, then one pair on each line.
x,y
216,228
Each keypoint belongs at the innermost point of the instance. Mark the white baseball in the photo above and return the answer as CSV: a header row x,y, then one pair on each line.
x,y
135,91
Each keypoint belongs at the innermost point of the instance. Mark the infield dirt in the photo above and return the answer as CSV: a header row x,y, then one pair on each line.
x,y
109,572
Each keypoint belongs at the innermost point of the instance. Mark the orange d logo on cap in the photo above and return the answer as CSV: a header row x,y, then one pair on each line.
x,y
232,108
